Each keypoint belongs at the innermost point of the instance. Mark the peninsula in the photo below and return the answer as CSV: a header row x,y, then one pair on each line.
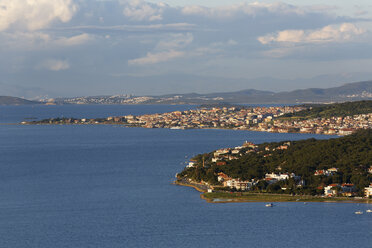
x,y
9,100
337,169
312,170
331,119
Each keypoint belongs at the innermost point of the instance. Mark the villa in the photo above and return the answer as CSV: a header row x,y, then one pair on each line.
x,y
368,191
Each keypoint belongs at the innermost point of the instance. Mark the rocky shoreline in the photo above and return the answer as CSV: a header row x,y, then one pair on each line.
x,y
240,197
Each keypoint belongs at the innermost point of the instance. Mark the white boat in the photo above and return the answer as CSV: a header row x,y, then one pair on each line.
x,y
358,212
177,128
369,210
269,205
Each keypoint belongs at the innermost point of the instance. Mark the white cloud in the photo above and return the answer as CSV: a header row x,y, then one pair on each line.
x,y
23,41
169,27
34,14
27,37
40,41
138,10
228,43
331,33
166,49
140,37
178,45
215,48
283,51
250,9
54,65
232,42
175,41
74,40
153,58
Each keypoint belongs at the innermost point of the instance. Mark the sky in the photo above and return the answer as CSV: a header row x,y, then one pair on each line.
x,y
112,47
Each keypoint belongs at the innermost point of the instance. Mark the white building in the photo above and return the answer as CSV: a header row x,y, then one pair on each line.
x,y
239,185
221,151
191,164
214,160
328,172
330,190
235,151
279,176
368,191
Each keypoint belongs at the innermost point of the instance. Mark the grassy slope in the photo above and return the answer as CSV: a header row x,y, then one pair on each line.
x,y
253,197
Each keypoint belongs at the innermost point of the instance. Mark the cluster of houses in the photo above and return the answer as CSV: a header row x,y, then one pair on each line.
x,y
326,172
258,119
225,117
220,157
235,183
332,126
271,178
345,189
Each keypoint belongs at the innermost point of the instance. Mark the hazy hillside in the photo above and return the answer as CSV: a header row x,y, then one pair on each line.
x,y
9,100
348,92
330,110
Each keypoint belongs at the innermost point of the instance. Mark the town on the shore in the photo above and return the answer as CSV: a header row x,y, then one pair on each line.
x,y
312,167
268,119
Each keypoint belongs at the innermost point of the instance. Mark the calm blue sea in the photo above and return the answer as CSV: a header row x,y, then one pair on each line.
x,y
110,186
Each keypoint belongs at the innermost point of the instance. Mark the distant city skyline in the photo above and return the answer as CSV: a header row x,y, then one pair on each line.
x,y
103,47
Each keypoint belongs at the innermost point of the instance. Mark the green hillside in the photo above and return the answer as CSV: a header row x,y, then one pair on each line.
x,y
352,155
336,109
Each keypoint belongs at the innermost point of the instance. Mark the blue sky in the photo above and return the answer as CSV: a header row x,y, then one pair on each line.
x,y
100,47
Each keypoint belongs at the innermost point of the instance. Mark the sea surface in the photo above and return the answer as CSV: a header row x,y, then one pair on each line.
x,y
109,186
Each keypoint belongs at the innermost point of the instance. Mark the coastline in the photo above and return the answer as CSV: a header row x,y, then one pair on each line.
x,y
200,128
240,197
195,186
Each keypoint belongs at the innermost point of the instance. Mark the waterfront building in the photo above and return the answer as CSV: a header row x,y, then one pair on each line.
x,y
331,190
368,191
239,185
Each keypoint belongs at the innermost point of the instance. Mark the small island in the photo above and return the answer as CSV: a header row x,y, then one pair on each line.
x,y
338,169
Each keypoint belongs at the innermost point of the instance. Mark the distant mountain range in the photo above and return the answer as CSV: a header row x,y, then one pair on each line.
x,y
347,92
10,100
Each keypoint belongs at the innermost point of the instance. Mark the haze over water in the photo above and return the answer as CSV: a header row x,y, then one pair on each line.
x,y
110,186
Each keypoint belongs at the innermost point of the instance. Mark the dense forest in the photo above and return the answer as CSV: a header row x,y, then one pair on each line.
x,y
331,110
351,155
